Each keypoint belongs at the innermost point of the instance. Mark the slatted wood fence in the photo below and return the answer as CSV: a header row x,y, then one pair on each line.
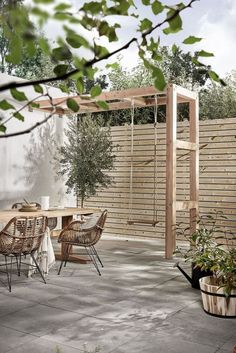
x,y
217,177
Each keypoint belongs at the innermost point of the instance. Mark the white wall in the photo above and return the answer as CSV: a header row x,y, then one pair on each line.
x,y
13,184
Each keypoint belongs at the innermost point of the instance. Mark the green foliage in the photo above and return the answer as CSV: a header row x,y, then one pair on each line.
x,y
22,39
219,101
177,67
86,157
207,253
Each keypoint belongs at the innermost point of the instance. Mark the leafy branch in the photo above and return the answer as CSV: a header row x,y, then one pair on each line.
x,y
30,129
95,60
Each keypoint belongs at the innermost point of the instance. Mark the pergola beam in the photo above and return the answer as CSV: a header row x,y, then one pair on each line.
x,y
116,100
147,97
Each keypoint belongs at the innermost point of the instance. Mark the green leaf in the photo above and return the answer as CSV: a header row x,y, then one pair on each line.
x,y
76,41
146,2
72,104
213,75
38,89
204,53
43,43
145,24
222,82
34,105
60,70
191,40
62,16
95,91
43,1
61,53
92,7
64,88
62,7
4,105
100,51
175,24
197,63
103,105
18,95
15,53
90,72
159,81
174,48
43,15
30,47
18,116
157,7
80,85
113,66
2,128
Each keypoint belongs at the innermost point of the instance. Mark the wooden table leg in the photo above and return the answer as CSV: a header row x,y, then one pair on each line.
x,y
72,257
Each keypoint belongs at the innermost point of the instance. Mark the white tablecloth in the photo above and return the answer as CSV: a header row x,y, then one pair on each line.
x,y
45,255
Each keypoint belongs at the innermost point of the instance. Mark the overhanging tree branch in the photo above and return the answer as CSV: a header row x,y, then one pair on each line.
x,y
27,131
94,61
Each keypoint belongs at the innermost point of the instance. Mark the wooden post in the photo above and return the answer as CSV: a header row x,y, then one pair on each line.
x,y
194,162
171,125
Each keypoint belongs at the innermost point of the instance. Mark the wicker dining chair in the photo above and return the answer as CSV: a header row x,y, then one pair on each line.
x,y
21,236
83,234
52,222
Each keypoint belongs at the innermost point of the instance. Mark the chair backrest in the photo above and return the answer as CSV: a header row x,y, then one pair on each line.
x,y
102,219
22,235
96,233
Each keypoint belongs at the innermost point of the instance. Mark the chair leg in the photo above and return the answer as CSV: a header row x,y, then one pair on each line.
x,y
98,257
92,257
9,273
38,268
65,259
69,248
18,264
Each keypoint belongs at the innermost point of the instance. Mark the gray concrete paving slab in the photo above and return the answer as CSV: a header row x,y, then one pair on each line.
x,y
140,304
41,345
11,338
160,343
39,319
8,306
92,333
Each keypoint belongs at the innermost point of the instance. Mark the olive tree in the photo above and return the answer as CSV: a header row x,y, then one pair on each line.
x,y
86,157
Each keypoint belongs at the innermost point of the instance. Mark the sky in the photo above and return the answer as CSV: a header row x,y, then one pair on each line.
x,y
212,20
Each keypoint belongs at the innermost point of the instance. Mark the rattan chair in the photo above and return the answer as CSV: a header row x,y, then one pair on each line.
x,y
83,234
52,222
22,236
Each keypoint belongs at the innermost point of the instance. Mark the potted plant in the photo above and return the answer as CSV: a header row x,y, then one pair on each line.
x,y
207,252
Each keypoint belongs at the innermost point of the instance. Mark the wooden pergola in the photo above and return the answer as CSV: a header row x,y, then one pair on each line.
x,y
146,97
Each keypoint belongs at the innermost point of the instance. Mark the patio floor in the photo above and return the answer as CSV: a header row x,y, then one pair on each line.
x,y
140,304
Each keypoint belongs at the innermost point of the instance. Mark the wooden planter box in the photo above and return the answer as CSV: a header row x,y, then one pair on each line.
x,y
214,301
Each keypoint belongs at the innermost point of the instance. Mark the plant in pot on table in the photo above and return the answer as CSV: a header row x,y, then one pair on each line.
x,y
208,252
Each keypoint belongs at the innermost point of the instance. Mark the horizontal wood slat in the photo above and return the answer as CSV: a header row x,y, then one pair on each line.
x,y
217,177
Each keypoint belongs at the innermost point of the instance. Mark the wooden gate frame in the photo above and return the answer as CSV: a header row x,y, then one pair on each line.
x,y
146,97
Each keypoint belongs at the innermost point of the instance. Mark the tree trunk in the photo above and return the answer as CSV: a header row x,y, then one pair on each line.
x,y
77,201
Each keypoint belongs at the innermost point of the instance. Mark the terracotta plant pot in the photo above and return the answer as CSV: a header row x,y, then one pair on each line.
x,y
214,300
